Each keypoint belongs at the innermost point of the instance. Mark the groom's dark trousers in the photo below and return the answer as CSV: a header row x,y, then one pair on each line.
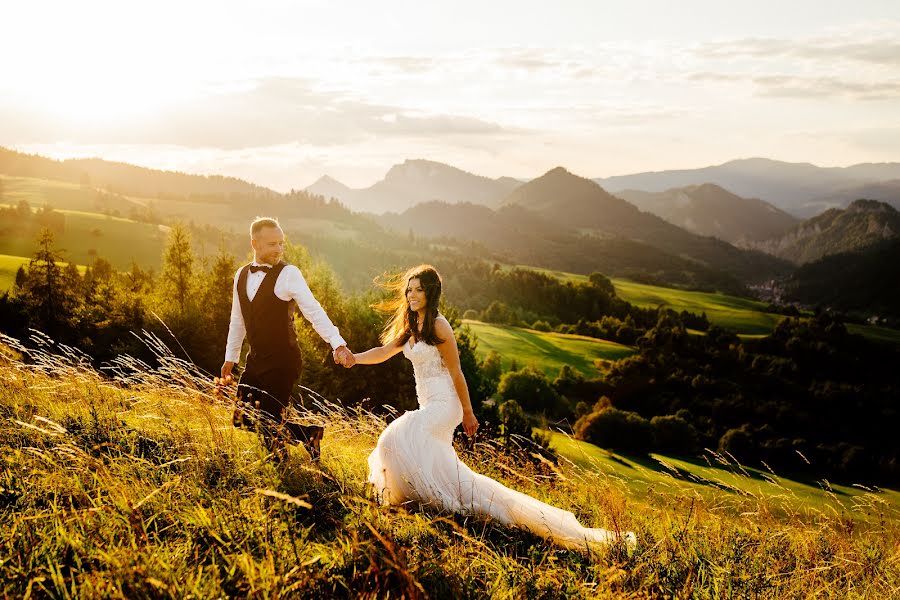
x,y
273,364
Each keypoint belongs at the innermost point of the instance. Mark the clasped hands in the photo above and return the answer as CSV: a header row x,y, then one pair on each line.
x,y
343,356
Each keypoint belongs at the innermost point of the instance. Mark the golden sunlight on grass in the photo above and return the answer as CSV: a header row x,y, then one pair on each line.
x,y
133,483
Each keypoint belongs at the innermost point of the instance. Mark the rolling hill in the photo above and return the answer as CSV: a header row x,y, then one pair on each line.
x,y
711,210
547,351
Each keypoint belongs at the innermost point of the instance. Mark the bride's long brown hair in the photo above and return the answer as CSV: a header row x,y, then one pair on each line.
x,y
404,323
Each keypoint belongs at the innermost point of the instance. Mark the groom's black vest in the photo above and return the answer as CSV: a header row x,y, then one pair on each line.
x,y
270,325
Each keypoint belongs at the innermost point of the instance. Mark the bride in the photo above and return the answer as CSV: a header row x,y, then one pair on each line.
x,y
415,459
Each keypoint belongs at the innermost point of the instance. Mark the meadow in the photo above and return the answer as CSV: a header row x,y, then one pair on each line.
x,y
88,235
746,317
716,477
134,484
547,351
10,264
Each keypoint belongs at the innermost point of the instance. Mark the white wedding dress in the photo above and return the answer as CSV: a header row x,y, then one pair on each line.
x,y
415,460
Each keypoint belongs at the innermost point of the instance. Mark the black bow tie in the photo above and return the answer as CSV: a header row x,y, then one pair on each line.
x,y
263,268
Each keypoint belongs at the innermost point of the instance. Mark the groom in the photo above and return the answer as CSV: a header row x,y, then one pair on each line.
x,y
262,309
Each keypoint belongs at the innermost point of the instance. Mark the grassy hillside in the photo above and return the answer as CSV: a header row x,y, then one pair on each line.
x,y
90,234
742,315
140,487
746,316
10,264
717,478
548,351
8,267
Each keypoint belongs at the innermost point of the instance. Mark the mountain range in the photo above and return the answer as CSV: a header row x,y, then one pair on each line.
x,y
414,182
708,209
864,223
802,189
558,220
560,210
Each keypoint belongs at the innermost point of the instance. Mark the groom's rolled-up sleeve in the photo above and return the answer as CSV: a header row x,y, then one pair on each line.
x,y
292,285
236,329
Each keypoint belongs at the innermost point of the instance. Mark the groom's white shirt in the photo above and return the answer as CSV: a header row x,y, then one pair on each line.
x,y
290,285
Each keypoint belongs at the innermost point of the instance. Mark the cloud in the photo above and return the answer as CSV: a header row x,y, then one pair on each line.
x,y
271,112
879,47
404,64
797,86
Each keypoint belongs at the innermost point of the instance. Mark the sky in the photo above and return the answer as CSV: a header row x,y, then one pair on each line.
x,y
281,93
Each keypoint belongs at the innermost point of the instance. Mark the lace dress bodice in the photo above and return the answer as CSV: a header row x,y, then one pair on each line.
x,y
426,360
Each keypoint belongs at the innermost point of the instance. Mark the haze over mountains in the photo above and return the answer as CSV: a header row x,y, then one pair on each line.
x,y
708,209
744,202
581,214
414,182
558,220
801,189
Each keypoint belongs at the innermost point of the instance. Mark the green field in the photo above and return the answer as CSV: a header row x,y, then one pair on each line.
x,y
745,316
8,267
741,315
57,194
724,483
547,351
88,235
10,264
880,334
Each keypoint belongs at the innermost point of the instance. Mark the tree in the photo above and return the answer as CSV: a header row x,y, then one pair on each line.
x,y
49,293
497,312
513,421
217,286
491,371
674,434
531,389
737,443
178,268
616,429
602,283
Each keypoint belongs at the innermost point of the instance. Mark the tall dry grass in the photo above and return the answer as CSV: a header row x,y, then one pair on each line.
x,y
131,482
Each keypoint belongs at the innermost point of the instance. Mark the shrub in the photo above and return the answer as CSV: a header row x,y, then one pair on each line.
x,y
531,389
616,429
513,420
541,326
738,443
674,434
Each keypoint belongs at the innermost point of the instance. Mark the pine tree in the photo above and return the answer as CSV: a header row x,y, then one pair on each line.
x,y
49,292
178,269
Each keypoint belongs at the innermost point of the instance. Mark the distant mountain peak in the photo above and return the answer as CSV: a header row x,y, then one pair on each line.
x,y
419,168
557,171
329,180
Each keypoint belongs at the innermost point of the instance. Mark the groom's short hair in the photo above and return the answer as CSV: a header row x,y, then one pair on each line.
x,y
261,222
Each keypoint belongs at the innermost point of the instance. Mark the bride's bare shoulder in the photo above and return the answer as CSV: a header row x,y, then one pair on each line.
x,y
442,326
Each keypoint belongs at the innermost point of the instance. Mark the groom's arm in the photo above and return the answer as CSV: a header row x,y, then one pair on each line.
x,y
292,285
237,330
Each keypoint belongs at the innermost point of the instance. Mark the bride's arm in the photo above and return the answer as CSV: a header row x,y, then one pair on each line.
x,y
450,353
377,355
